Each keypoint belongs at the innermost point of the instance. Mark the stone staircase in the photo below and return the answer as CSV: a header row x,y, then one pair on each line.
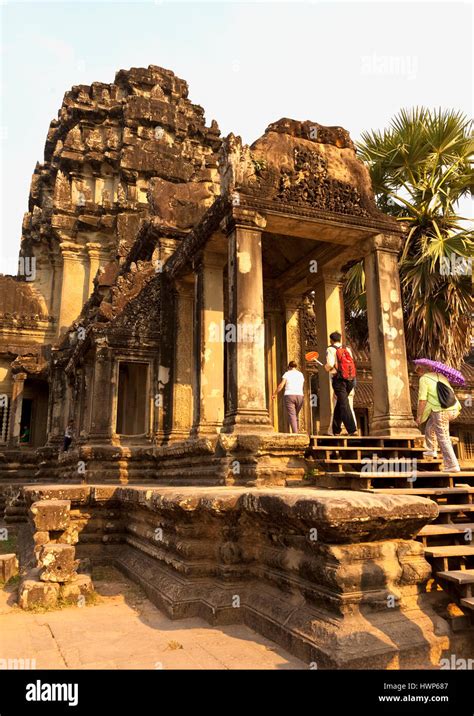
x,y
18,464
397,466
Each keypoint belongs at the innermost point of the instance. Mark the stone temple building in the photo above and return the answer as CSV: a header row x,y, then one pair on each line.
x,y
167,275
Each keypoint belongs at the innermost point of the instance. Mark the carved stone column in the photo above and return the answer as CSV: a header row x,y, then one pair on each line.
x,y
275,347
15,410
209,342
162,379
58,404
72,284
181,394
329,307
392,405
94,254
102,430
246,400
295,350
83,426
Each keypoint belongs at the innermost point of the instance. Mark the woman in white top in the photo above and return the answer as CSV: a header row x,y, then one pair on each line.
x,y
292,381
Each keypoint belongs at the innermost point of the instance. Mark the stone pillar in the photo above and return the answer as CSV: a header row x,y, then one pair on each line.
x,y
102,416
392,405
245,338
181,418
83,427
162,379
329,308
295,351
72,285
209,342
93,251
59,403
274,356
15,410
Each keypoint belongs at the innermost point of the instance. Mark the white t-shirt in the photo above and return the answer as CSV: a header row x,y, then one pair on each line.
x,y
294,382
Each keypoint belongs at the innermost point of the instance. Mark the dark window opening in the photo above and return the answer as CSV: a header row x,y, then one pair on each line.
x,y
25,422
132,398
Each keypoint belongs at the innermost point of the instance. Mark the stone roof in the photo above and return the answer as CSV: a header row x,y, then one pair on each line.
x,y
302,163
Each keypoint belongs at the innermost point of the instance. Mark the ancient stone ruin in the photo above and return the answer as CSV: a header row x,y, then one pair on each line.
x,y
167,277
54,580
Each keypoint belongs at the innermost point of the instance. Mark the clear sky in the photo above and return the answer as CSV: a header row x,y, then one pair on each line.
x,y
353,64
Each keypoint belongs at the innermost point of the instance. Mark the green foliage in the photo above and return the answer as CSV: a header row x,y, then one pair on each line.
x,y
420,167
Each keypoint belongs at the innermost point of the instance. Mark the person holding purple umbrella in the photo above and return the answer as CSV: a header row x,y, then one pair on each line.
x,y
437,407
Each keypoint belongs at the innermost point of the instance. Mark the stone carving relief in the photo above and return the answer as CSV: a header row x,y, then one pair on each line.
x,y
311,184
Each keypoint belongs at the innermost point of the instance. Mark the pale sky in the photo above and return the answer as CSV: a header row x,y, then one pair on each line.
x,y
353,64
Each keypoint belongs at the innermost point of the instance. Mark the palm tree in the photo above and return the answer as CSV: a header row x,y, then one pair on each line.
x,y
420,167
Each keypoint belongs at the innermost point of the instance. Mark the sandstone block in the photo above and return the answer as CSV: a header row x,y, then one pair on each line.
x,y
57,562
8,567
41,538
50,515
35,593
69,535
79,586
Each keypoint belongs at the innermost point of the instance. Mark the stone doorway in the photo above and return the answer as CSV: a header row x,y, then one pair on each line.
x,y
132,399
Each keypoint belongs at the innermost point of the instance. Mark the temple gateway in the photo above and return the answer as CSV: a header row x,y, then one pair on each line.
x,y
167,277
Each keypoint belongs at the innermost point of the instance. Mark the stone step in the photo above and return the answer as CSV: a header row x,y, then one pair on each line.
x,y
370,449
456,508
425,474
458,576
468,603
450,551
321,440
425,491
420,464
439,529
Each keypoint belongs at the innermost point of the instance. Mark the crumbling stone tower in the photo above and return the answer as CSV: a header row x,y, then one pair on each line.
x,y
110,145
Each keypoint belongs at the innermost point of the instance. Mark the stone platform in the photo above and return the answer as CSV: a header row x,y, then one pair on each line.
x,y
336,578
224,459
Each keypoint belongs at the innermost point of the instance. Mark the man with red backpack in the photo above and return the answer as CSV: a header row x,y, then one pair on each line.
x,y
341,366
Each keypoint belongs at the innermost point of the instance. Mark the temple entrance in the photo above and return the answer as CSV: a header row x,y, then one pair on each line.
x,y
34,409
132,398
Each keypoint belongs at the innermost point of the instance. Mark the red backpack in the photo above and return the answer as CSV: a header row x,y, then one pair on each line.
x,y
345,364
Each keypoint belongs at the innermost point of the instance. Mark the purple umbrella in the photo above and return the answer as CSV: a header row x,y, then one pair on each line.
x,y
453,375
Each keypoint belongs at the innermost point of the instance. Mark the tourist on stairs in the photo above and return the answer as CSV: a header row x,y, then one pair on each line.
x,y
437,406
340,365
292,381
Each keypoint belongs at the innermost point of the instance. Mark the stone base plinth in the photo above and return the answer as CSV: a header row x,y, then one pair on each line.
x,y
222,459
234,459
333,576
397,426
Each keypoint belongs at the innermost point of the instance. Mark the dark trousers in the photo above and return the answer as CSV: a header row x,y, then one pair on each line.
x,y
67,443
293,404
342,410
